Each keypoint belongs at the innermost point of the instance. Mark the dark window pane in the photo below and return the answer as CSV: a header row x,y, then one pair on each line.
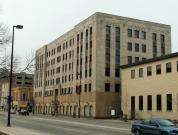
x,y
137,47
140,103
143,35
107,71
149,102
136,59
169,102
132,74
129,46
129,32
129,59
140,72
117,87
136,34
158,69
168,67
107,87
149,71
159,103
143,48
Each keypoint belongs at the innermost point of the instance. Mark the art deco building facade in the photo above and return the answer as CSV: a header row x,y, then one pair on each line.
x,y
153,88
89,57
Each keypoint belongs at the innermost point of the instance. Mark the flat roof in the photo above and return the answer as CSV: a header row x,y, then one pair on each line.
x,y
171,55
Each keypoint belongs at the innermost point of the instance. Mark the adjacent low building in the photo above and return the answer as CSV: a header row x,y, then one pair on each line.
x,y
22,98
150,88
18,80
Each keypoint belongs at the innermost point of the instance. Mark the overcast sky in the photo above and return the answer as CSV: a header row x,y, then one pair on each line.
x,y
45,20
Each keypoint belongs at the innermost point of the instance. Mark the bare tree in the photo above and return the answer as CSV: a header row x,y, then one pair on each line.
x,y
29,63
5,62
5,59
5,37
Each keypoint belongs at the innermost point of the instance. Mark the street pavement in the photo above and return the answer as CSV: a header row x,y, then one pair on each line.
x,y
48,125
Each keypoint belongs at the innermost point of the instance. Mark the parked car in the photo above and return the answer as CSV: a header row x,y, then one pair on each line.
x,y
154,127
23,112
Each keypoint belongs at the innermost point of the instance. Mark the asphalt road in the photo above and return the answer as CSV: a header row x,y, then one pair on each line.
x,y
68,126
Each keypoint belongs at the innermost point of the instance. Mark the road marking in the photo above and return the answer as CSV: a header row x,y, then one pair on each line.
x,y
83,124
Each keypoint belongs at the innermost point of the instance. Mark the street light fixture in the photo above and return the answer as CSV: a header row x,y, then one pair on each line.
x,y
10,79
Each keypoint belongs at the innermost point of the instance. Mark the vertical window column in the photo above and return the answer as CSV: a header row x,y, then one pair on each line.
x,y
86,54
162,45
117,45
107,50
90,53
154,38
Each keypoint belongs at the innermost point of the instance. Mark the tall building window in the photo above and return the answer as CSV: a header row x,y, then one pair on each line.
x,y
169,102
58,70
129,32
143,48
149,102
136,47
107,87
168,67
162,45
107,51
141,103
91,31
85,88
136,59
140,72
129,59
136,33
107,71
117,51
159,102
117,87
143,35
129,47
59,48
158,69
89,87
85,72
154,39
149,71
132,73
143,59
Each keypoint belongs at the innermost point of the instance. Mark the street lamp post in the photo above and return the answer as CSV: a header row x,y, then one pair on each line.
x,y
10,77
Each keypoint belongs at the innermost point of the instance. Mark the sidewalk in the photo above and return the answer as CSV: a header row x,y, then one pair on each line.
x,y
18,131
14,130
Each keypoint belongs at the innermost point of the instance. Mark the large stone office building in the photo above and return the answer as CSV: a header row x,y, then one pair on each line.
x,y
89,57
150,88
